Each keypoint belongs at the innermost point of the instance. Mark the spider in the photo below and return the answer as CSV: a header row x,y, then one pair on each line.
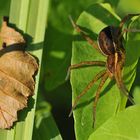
x,y
109,44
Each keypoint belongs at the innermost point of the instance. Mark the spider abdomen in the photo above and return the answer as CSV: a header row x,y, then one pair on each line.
x,y
106,40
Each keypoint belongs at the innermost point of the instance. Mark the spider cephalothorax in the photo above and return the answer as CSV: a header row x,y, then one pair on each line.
x,y
109,44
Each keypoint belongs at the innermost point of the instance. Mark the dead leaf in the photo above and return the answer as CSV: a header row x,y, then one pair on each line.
x,y
17,69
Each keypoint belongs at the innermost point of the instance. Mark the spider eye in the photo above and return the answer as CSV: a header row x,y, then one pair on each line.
x,y
105,41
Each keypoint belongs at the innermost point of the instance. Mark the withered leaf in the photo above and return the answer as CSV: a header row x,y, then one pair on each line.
x,y
17,69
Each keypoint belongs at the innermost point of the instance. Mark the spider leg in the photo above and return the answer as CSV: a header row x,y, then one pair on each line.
x,y
131,30
89,40
84,63
128,30
103,80
121,85
127,17
96,78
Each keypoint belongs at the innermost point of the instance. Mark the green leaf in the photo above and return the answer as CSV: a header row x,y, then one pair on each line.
x,y
124,7
45,127
93,20
123,126
135,91
133,52
30,17
113,3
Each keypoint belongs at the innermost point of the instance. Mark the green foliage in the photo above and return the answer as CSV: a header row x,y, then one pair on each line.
x,y
133,49
58,40
110,102
45,127
124,7
123,126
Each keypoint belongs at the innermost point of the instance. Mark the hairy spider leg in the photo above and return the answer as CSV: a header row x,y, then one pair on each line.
x,y
123,21
96,78
84,63
103,80
120,84
89,40
127,17
129,30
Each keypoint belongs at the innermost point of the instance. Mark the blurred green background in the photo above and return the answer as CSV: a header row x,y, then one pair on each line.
x,y
57,54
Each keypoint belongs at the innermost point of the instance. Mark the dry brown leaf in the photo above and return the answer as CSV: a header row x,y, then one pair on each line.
x,y
17,69
9,35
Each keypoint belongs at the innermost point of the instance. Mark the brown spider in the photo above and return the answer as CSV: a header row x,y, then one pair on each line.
x,y
110,45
